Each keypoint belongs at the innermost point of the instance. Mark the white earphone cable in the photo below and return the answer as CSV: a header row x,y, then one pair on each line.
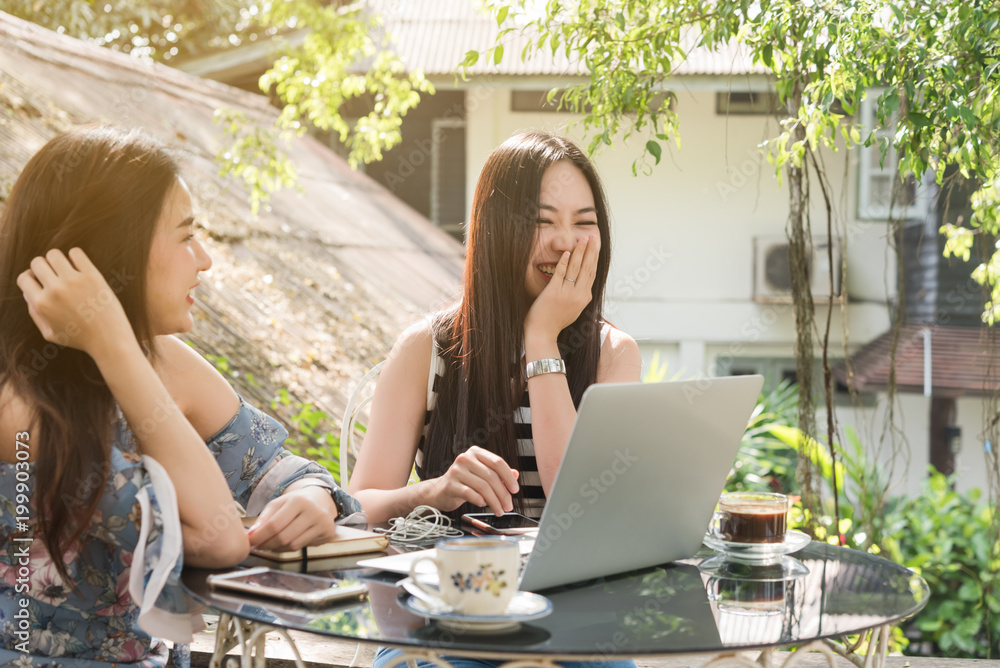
x,y
423,523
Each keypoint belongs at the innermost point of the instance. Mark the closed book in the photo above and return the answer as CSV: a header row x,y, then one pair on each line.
x,y
348,540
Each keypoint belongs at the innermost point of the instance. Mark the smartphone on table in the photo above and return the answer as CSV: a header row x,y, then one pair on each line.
x,y
309,590
508,524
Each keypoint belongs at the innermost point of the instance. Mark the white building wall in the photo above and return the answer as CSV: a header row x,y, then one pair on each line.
x,y
912,421
681,277
970,461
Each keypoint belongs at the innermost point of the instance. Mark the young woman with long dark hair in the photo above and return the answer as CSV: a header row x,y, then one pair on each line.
x,y
482,396
498,376
121,449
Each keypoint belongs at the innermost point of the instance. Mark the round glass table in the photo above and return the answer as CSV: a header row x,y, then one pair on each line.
x,y
666,610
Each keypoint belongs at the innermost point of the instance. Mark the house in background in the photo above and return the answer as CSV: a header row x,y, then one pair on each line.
x,y
699,270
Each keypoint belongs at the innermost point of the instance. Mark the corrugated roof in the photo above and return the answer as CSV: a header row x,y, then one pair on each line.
x,y
305,297
965,361
434,36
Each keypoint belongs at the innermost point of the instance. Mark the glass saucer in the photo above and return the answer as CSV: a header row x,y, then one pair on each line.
x,y
782,567
794,541
524,607
748,597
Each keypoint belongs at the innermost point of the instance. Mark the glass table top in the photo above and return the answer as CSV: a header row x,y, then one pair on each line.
x,y
674,608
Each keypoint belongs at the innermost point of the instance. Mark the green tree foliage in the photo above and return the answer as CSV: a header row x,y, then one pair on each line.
x,y
938,62
314,82
945,536
343,58
935,61
322,76
160,29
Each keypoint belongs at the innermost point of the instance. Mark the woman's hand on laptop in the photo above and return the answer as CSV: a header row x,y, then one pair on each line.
x,y
478,476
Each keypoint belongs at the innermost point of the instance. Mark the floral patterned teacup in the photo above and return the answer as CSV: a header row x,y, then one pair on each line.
x,y
476,576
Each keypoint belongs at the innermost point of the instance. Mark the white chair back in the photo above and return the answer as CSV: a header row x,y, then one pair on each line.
x,y
355,415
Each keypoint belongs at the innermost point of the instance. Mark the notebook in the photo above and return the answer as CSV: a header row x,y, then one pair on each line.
x,y
639,480
349,540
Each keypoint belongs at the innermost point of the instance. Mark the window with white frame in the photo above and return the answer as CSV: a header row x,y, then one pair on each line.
x,y
881,193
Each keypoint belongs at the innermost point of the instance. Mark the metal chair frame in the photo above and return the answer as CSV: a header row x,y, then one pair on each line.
x,y
355,406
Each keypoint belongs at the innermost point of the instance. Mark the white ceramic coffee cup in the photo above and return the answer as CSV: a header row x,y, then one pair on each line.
x,y
476,575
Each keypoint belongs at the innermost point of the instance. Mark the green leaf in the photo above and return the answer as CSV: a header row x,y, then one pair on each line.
x,y
968,117
471,58
498,54
891,102
969,591
930,624
654,150
918,119
502,15
767,55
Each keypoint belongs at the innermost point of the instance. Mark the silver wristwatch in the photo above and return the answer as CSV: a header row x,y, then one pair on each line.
x,y
548,365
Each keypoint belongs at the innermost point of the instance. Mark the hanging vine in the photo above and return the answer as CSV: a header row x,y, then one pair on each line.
x,y
799,252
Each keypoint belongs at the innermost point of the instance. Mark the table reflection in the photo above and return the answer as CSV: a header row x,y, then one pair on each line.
x,y
673,608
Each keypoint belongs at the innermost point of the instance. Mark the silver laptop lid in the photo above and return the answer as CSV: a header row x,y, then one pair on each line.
x,y
640,477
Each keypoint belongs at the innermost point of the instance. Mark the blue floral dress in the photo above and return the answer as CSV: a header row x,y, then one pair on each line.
x,y
127,564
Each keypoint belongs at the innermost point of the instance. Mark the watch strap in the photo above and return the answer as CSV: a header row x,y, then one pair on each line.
x,y
547,365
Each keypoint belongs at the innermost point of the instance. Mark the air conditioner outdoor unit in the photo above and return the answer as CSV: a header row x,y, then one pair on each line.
x,y
772,278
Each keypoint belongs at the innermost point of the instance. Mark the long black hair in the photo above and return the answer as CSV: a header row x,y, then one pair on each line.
x,y
481,337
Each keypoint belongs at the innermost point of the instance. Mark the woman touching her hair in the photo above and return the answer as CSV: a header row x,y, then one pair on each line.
x,y
498,376
122,449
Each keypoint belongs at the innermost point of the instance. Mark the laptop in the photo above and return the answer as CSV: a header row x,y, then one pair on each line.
x,y
639,480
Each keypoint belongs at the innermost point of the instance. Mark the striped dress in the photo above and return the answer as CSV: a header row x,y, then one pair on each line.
x,y
527,466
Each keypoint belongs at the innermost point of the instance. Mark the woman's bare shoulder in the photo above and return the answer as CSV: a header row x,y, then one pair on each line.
x,y
409,361
419,333
414,345
199,390
620,358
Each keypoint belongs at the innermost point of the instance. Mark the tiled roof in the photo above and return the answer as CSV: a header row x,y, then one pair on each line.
x,y
434,36
308,295
965,361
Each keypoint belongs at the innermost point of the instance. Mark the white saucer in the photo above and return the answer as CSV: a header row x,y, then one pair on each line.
x,y
524,607
794,541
